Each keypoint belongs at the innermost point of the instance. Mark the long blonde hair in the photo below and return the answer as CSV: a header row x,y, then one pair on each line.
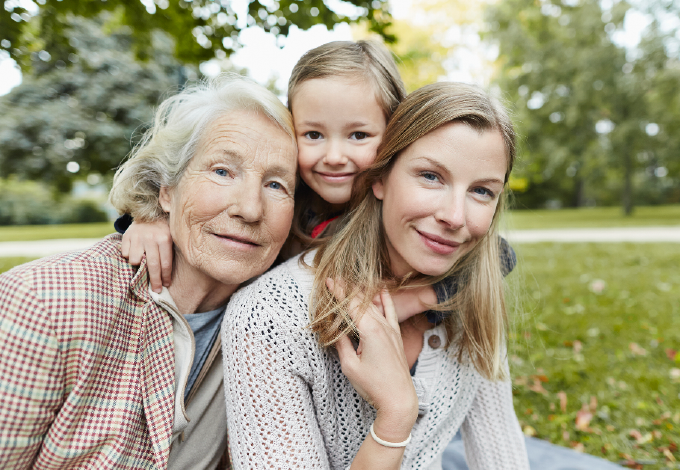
x,y
358,255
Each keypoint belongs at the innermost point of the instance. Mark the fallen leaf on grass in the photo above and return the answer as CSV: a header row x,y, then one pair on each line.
x,y
637,350
674,373
671,354
583,418
562,395
639,437
669,455
577,446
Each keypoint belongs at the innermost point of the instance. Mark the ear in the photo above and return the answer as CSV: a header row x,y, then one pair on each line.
x,y
379,189
165,198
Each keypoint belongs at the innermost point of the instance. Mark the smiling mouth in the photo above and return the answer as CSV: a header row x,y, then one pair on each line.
x,y
336,176
438,244
236,239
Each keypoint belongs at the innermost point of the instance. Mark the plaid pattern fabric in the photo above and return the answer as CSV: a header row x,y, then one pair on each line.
x,y
86,365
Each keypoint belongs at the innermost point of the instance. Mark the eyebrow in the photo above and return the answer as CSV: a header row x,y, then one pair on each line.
x,y
349,124
446,170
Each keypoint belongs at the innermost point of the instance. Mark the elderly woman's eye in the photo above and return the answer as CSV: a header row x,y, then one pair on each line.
x,y
275,185
221,172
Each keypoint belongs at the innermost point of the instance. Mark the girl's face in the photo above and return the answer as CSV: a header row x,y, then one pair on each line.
x,y
339,125
440,197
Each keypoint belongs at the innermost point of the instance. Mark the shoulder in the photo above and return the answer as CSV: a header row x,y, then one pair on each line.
x,y
278,296
68,282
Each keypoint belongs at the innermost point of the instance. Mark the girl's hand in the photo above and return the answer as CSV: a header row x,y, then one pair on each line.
x,y
378,369
154,239
410,302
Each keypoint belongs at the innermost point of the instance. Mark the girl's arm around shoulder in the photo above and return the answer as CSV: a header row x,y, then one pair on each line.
x,y
491,433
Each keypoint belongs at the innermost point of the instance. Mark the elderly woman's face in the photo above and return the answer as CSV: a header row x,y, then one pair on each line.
x,y
232,209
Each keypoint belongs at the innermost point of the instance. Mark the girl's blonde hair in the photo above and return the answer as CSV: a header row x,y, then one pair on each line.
x,y
370,61
358,255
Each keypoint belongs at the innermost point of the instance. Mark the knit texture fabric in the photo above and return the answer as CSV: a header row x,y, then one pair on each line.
x,y
289,406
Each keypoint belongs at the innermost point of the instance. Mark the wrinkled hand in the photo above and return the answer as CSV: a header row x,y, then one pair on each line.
x,y
154,239
378,369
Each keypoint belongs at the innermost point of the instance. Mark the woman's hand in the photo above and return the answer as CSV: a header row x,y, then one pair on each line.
x,y
378,369
154,239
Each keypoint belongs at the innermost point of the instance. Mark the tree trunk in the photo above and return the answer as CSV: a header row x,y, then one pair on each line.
x,y
627,190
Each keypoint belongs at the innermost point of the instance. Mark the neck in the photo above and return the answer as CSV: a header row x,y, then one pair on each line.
x,y
195,292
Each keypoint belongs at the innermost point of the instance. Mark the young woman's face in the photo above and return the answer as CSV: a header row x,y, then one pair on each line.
x,y
339,125
440,197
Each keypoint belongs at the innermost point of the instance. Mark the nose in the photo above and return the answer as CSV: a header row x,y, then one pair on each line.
x,y
335,154
248,203
451,211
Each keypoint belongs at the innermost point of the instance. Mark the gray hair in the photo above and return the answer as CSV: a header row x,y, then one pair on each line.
x,y
166,148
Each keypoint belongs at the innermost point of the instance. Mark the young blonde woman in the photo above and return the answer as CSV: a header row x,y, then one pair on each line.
x,y
318,374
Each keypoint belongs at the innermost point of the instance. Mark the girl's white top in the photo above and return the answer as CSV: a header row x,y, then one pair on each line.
x,y
289,406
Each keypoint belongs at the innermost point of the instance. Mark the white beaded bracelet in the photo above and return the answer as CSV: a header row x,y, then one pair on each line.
x,y
389,444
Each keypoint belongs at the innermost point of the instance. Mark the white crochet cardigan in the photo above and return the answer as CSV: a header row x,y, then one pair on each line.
x,y
289,406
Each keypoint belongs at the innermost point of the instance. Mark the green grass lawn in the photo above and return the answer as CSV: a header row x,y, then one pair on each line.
x,y
594,357
593,217
48,232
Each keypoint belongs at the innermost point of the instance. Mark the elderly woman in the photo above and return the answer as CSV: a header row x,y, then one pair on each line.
x,y
96,370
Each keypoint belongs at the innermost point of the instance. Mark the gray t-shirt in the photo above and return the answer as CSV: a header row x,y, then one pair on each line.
x,y
206,328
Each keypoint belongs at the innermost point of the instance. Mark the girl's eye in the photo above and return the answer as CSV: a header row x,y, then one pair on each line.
x,y
313,135
358,135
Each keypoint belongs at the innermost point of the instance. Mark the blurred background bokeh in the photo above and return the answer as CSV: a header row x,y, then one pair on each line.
x,y
594,88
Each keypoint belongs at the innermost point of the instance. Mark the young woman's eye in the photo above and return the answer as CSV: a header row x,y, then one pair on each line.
x,y
484,192
358,135
313,135
429,176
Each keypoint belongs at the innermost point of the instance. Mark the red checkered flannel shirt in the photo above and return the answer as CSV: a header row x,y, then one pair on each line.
x,y
86,365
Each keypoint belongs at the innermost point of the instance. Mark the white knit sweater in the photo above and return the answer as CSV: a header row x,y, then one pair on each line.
x,y
289,406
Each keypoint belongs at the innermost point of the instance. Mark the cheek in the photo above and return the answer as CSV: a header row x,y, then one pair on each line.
x,y
480,220
306,157
367,156
280,217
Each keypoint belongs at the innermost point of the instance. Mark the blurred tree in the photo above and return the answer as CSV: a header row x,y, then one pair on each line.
x,y
202,29
583,102
71,118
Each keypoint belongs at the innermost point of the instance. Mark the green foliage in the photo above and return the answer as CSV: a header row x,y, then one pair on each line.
x,y
201,29
29,203
603,327
560,65
86,108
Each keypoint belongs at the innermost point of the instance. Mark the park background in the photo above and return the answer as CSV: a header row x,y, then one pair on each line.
x,y
594,89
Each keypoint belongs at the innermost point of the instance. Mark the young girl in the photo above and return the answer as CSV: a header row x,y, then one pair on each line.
x,y
341,95
426,210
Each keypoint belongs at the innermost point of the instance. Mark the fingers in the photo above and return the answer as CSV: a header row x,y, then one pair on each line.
x,y
125,246
153,267
165,251
389,310
346,353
